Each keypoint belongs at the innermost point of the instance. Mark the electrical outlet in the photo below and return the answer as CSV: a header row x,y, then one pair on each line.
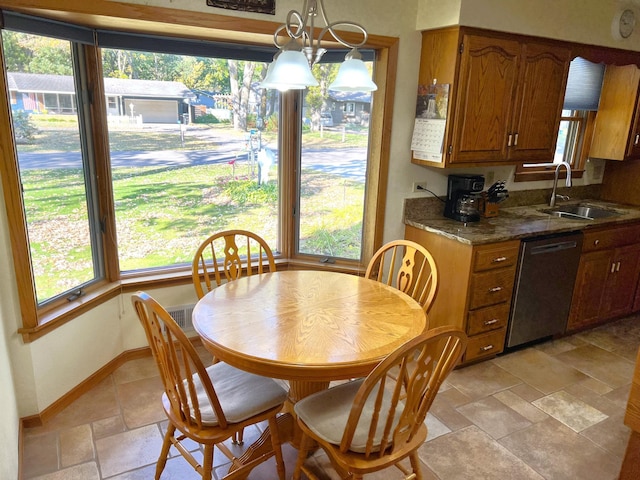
x,y
419,186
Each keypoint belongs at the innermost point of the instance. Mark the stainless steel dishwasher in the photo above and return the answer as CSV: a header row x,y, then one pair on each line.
x,y
546,273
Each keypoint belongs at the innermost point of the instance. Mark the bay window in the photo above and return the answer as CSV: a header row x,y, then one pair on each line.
x,y
129,149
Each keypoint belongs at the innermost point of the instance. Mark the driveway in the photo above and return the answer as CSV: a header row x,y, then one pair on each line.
x,y
347,163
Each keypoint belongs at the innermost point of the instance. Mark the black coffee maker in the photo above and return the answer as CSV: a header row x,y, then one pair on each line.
x,y
462,197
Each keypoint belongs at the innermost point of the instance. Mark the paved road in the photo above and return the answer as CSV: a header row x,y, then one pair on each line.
x,y
347,163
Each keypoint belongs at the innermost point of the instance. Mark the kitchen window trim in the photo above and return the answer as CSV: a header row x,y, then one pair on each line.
x,y
546,171
36,322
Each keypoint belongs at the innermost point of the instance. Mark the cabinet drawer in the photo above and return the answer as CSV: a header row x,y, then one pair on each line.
x,y
496,256
487,319
490,343
610,238
490,288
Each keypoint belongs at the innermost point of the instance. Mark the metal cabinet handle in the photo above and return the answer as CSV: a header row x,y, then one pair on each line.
x,y
618,267
613,267
515,140
499,259
491,322
637,139
509,138
596,242
495,289
486,348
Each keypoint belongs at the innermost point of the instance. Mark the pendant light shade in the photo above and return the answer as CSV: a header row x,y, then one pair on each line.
x,y
289,71
291,68
353,76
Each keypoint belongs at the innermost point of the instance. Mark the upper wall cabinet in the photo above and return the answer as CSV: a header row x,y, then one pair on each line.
x,y
505,98
616,133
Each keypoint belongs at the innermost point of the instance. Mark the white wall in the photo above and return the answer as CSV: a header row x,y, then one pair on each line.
x,y
9,416
47,368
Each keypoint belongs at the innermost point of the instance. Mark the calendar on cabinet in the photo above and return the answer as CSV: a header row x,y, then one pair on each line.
x,y
430,122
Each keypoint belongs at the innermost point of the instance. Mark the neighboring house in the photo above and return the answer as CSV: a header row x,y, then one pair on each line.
x,y
217,104
155,101
352,107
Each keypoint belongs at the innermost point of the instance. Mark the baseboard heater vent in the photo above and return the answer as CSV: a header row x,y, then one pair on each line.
x,y
182,315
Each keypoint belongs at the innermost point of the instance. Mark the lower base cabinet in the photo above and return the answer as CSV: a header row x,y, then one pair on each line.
x,y
607,280
475,286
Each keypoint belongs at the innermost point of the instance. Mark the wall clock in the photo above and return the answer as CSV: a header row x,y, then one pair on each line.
x,y
623,24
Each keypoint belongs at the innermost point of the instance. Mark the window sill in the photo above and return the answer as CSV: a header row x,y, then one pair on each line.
x,y
55,317
546,174
49,320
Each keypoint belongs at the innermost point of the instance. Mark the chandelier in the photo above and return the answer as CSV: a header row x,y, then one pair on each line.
x,y
291,66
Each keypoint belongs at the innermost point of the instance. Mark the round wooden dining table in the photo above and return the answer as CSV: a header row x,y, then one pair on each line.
x,y
306,326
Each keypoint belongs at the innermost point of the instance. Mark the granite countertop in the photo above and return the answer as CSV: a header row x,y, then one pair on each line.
x,y
513,223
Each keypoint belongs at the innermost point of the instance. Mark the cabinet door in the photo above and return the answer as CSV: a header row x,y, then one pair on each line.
x,y
543,78
622,282
633,149
589,289
615,127
484,99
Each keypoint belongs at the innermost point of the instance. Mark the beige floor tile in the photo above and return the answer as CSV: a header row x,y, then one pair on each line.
x,y
541,371
435,427
554,347
141,402
481,380
175,469
86,471
611,434
527,392
494,417
443,408
596,386
521,406
76,445
108,426
136,369
591,398
600,364
471,454
619,396
569,410
128,450
559,453
39,454
98,403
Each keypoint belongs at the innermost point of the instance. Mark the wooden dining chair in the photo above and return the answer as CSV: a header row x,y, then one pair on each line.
x,y
223,257
364,425
226,256
207,405
407,266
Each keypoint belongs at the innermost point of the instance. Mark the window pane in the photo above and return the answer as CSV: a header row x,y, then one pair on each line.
x,y
50,161
335,140
193,146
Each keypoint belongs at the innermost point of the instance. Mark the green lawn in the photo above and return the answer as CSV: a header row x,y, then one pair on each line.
x,y
164,212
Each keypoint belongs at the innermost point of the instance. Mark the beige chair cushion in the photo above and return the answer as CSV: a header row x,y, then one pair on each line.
x,y
326,414
241,394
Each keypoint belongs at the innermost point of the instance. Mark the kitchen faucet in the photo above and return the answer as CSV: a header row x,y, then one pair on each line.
x,y
552,200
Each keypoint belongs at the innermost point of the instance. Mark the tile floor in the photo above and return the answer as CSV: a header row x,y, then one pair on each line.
x,y
551,411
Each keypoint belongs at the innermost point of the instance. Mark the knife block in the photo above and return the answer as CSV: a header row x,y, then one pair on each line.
x,y
487,209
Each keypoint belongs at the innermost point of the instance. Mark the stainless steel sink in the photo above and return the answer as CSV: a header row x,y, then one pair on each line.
x,y
581,212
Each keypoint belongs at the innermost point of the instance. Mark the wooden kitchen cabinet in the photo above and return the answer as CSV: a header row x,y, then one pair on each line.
x,y
616,134
475,286
607,277
505,98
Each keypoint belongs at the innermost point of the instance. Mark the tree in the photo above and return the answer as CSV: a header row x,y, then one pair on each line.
x,y
202,73
16,54
240,90
316,97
